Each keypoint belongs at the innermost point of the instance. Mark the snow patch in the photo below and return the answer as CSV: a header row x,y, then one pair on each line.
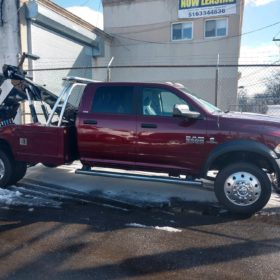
x,y
12,197
8,197
169,229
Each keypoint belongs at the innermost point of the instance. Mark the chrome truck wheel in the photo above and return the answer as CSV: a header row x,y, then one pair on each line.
x,y
5,169
243,188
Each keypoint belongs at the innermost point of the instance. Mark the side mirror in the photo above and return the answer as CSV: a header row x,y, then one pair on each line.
x,y
183,110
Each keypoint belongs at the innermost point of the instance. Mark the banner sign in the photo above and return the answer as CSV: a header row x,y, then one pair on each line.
x,y
205,8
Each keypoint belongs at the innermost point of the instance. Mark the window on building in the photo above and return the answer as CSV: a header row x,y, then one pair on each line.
x,y
215,28
113,100
182,31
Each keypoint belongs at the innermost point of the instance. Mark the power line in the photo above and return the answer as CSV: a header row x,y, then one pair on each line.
x,y
199,42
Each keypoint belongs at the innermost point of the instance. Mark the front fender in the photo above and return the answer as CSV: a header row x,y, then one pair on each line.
x,y
242,146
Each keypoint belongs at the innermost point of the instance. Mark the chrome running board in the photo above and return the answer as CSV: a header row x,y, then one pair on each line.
x,y
160,179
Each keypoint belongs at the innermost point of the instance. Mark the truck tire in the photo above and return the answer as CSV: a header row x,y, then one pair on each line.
x,y
6,164
243,188
19,171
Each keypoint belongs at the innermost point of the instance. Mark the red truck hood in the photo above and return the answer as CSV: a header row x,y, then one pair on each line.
x,y
253,117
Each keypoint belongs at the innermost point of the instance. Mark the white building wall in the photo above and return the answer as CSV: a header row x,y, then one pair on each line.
x,y
63,43
57,51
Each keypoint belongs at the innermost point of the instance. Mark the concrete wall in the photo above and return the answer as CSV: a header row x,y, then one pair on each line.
x,y
9,39
62,41
142,36
101,73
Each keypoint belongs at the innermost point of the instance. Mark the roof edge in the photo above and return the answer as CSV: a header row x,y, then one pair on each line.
x,y
70,16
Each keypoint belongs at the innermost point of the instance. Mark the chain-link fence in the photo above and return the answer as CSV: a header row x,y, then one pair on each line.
x,y
245,88
258,90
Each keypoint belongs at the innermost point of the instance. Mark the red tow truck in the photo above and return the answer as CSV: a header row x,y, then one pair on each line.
x,y
142,126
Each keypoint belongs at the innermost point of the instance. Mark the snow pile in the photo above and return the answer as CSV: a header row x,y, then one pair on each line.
x,y
169,229
8,197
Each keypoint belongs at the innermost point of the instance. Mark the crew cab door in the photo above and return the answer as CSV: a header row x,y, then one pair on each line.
x,y
165,141
107,125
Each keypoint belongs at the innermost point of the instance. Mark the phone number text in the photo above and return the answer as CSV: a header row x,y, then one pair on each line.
x,y
207,13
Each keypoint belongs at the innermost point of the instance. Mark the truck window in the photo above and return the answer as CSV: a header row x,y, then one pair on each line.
x,y
113,100
76,96
159,102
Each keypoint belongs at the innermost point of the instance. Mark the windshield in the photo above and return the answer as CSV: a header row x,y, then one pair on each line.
x,y
206,105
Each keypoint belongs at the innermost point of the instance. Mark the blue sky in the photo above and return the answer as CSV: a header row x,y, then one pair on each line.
x,y
93,4
257,14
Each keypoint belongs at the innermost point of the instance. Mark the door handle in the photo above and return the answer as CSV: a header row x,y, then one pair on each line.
x,y
148,125
92,122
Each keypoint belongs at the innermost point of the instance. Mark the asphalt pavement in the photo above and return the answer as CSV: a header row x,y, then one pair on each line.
x,y
63,232
132,192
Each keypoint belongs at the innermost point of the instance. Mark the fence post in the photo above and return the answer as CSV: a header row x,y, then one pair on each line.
x,y
109,69
217,80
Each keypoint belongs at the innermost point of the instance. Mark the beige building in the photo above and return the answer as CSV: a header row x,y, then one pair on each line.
x,y
169,32
136,32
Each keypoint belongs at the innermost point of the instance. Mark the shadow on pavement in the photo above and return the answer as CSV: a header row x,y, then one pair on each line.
x,y
91,240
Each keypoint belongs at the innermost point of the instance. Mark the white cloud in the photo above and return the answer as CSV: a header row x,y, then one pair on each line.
x,y
258,2
264,53
254,79
93,17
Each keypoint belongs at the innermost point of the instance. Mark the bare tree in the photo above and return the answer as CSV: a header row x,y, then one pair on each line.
x,y
273,89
